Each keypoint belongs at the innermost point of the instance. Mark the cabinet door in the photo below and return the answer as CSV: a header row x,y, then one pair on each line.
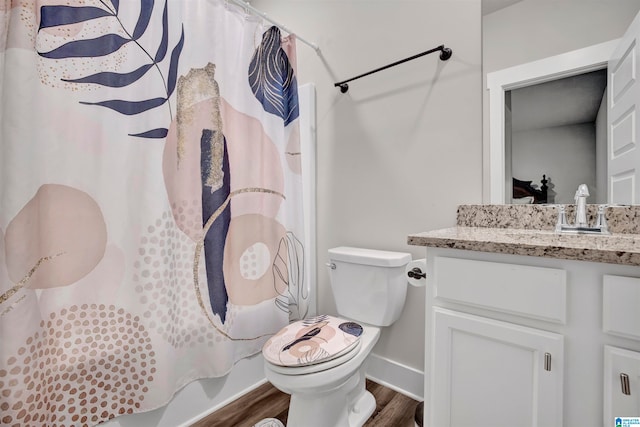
x,y
490,373
620,399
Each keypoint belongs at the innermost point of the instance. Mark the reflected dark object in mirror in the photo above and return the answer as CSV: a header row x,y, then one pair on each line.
x,y
525,189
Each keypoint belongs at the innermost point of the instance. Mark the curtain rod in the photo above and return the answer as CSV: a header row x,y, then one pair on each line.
x,y
445,53
264,16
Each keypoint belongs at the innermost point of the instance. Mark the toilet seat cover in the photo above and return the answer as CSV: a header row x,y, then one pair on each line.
x,y
312,341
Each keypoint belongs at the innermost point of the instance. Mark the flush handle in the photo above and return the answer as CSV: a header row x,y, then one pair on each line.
x,y
331,265
624,382
547,361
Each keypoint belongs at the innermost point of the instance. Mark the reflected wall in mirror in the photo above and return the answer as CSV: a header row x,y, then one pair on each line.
x,y
519,32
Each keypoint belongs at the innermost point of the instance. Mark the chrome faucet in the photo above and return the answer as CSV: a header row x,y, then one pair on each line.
x,y
581,205
581,224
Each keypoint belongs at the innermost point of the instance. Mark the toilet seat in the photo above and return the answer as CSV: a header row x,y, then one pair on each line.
x,y
313,345
318,367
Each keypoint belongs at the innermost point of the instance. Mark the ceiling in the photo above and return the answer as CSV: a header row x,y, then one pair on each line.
x,y
567,101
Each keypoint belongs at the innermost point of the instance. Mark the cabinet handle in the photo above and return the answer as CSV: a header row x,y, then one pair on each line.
x,y
547,361
624,381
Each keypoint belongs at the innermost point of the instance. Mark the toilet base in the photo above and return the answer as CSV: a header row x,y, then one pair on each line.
x,y
362,409
348,405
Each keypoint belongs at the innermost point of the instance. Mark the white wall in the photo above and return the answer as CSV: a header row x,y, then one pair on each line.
x,y
402,149
536,29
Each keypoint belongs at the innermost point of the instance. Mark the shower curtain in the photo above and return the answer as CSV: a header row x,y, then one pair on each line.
x,y
150,201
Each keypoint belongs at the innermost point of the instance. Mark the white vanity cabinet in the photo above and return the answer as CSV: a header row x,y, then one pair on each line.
x,y
516,340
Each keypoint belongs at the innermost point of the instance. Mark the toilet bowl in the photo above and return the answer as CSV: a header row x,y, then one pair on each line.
x,y
321,361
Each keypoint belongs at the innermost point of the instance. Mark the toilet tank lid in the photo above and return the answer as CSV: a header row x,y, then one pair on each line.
x,y
369,256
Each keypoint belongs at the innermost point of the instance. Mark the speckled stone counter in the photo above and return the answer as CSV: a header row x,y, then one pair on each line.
x,y
621,219
529,230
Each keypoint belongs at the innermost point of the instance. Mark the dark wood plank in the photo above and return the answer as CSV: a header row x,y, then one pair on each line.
x,y
392,408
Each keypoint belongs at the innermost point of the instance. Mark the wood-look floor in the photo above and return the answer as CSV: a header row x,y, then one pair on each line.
x,y
392,408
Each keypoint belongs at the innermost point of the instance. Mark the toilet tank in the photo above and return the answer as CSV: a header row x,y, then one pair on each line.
x,y
368,285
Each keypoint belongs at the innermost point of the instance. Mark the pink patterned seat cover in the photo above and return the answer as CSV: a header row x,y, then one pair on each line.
x,y
312,341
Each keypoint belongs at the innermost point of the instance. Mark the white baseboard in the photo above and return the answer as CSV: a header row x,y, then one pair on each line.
x,y
403,379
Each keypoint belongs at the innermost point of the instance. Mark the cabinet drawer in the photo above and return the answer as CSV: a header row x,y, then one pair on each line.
x,y
620,312
534,292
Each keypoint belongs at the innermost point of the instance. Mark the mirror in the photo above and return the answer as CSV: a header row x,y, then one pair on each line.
x,y
540,60
566,117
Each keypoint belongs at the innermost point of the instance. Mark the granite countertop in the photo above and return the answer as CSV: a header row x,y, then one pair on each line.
x,y
509,229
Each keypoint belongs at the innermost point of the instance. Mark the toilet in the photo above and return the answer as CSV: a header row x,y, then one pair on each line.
x,y
320,361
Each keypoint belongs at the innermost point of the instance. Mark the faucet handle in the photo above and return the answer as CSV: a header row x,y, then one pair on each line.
x,y
601,220
562,218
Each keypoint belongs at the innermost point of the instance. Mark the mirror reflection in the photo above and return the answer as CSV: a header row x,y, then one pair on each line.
x,y
557,129
552,127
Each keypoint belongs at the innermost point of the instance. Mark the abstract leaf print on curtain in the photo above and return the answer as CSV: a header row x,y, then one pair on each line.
x,y
272,79
52,16
150,202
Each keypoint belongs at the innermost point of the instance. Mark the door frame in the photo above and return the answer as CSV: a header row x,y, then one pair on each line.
x,y
556,67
